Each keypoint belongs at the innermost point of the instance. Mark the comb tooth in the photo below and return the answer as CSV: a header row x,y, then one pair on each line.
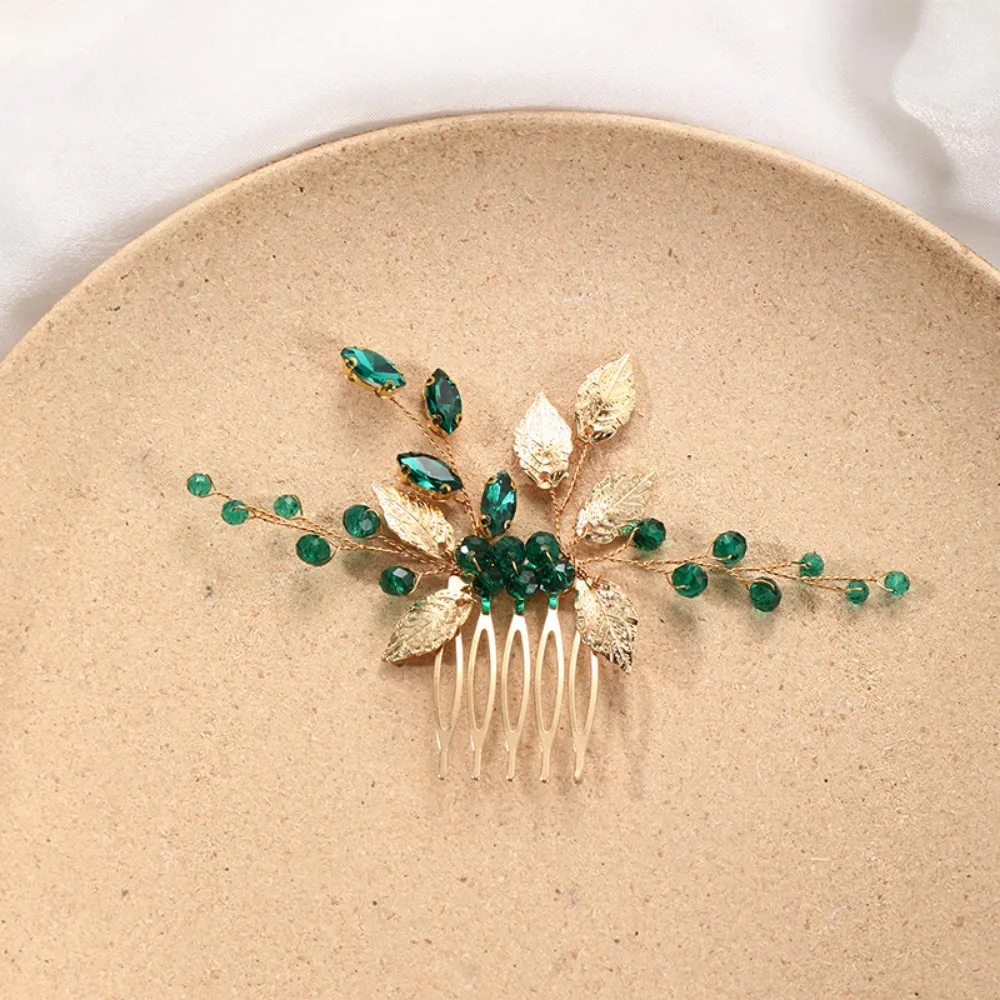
x,y
484,626
581,734
547,736
445,729
513,730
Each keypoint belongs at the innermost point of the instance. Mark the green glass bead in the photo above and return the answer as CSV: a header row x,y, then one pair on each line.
x,y
811,564
896,582
649,534
287,506
233,512
523,586
508,555
372,369
765,594
541,549
397,581
360,521
199,485
729,547
498,505
314,550
443,402
856,591
428,473
489,582
473,555
689,580
557,577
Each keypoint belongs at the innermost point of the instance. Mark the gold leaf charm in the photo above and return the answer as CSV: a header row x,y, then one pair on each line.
x,y
606,621
612,504
430,622
543,442
418,524
605,400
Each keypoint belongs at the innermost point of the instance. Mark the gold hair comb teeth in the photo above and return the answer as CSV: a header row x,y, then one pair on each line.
x,y
490,560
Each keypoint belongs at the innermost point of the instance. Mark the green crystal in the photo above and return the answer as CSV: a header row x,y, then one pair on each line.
x,y
689,580
314,550
523,586
443,402
473,555
508,555
498,505
360,521
199,485
429,473
729,547
765,594
897,583
649,534
489,582
287,506
541,549
397,581
856,591
557,577
372,369
233,512
811,564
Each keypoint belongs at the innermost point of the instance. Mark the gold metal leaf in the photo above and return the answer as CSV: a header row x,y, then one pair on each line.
x,y
416,523
605,400
543,442
430,622
612,504
606,621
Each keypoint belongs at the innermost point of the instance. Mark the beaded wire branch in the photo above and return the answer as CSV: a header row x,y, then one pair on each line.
x,y
610,529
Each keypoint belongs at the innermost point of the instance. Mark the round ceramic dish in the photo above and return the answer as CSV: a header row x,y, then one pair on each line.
x,y
211,787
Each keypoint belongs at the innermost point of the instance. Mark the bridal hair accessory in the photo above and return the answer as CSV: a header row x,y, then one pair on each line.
x,y
564,566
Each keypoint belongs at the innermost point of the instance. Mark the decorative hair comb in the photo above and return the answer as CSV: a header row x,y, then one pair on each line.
x,y
610,530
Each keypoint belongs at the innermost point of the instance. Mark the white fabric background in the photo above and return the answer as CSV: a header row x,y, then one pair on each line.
x,y
116,112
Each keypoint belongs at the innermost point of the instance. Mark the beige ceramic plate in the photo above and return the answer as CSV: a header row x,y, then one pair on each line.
x,y
212,788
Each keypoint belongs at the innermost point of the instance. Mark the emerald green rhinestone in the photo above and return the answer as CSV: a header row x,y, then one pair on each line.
x,y
508,555
488,582
649,535
557,577
429,473
473,555
765,594
199,485
523,586
314,550
856,591
443,402
541,549
397,581
729,547
811,564
897,583
360,521
498,505
689,580
233,512
372,369
553,600
287,505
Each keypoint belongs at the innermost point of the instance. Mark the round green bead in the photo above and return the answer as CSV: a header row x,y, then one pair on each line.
x,y
811,564
397,581
473,555
314,550
689,580
524,585
559,576
360,521
489,582
649,534
897,583
765,594
233,512
199,485
287,506
729,547
541,549
508,555
856,591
